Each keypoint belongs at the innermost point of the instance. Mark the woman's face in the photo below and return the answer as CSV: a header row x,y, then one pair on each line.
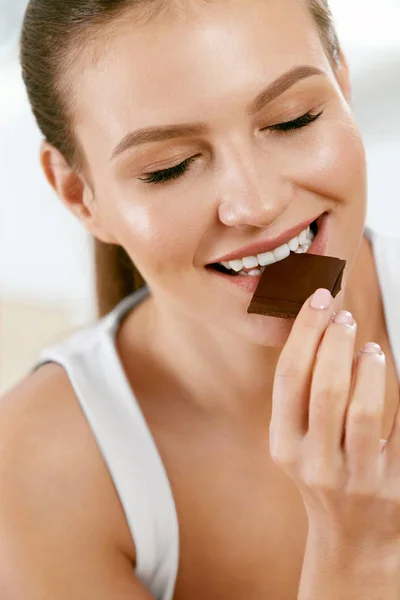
x,y
194,76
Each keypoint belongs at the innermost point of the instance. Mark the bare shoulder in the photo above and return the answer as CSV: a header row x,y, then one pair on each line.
x,y
59,511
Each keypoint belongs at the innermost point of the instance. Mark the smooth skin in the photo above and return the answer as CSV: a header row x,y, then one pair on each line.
x,y
203,371
325,433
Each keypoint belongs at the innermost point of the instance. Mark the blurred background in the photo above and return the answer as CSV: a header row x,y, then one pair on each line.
x,y
46,271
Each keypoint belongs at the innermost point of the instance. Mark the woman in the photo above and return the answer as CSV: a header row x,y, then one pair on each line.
x,y
180,447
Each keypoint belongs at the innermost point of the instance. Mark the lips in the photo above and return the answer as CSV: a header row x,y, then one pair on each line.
x,y
248,284
267,245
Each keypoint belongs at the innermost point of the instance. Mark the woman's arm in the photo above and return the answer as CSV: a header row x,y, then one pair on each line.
x,y
349,574
325,429
59,534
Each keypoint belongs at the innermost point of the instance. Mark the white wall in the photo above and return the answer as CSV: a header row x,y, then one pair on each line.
x,y
45,253
369,34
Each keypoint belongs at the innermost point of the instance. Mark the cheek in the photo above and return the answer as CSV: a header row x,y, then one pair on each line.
x,y
332,164
161,232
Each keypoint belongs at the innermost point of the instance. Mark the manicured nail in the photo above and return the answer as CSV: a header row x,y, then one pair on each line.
x,y
322,299
344,317
372,348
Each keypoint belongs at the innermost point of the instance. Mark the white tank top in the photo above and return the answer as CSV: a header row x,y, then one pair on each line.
x,y
93,366
92,363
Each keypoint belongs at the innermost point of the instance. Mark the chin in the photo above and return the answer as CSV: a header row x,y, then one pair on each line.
x,y
270,332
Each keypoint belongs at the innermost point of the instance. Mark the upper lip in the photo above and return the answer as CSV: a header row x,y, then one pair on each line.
x,y
267,245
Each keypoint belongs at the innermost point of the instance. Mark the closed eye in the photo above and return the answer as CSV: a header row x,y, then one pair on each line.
x,y
168,174
178,171
302,121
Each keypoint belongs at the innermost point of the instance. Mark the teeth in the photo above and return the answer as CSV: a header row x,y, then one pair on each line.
x,y
294,244
300,244
282,252
304,247
303,237
236,265
250,262
266,259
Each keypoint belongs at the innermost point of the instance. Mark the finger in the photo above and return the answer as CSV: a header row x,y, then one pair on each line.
x,y
392,448
331,387
294,371
364,416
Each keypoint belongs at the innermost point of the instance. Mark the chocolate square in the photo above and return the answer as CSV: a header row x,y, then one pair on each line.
x,y
285,286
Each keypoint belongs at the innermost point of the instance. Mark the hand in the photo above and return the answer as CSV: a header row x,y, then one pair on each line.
x,y
325,432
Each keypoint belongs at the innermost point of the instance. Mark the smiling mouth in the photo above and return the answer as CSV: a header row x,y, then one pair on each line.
x,y
255,265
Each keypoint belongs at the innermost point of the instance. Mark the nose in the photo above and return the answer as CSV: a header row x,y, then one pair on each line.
x,y
253,195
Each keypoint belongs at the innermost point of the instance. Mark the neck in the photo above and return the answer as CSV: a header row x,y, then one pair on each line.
x,y
214,368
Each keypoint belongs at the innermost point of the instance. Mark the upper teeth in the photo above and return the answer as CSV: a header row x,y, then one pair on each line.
x,y
299,244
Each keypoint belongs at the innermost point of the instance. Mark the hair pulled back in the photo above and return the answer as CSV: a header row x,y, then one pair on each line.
x,y
54,34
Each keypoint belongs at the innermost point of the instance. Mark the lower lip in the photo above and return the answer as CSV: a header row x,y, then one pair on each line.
x,y
249,283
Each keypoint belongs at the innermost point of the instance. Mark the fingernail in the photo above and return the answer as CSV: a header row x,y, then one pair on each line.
x,y
344,317
322,299
372,348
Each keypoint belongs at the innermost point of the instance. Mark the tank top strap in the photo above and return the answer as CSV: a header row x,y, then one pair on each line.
x,y
386,251
96,373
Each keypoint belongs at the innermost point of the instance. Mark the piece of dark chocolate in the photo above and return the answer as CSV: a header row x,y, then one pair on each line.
x,y
286,285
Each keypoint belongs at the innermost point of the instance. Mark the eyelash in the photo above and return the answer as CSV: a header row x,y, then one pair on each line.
x,y
166,175
302,121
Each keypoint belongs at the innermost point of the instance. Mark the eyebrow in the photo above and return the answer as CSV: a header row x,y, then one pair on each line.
x,y
166,132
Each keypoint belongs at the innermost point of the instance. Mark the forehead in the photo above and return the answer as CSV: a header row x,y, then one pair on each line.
x,y
194,66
